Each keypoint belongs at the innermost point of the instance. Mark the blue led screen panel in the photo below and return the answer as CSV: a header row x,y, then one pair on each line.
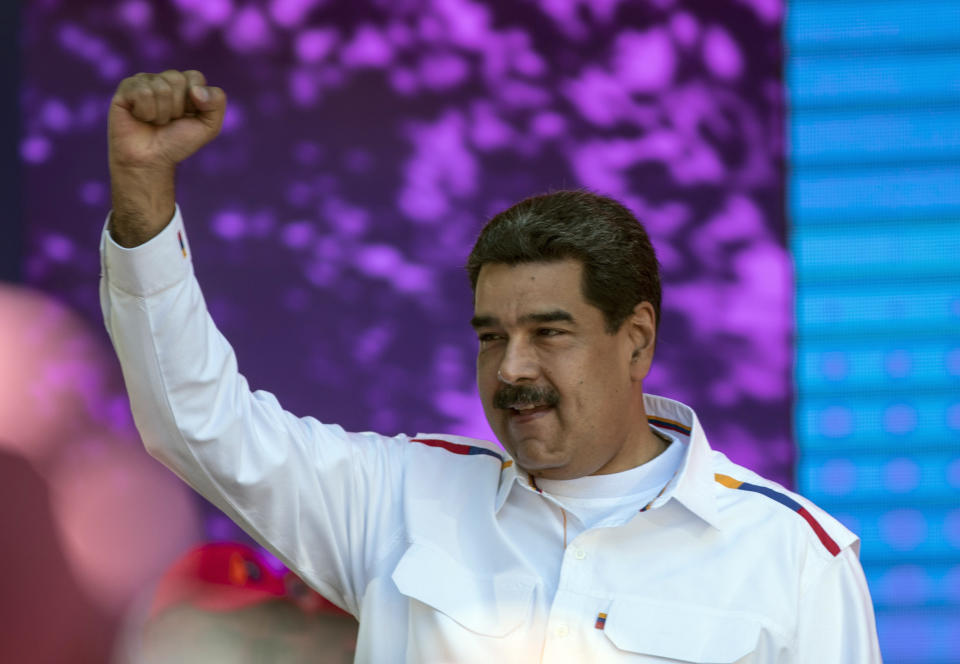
x,y
874,208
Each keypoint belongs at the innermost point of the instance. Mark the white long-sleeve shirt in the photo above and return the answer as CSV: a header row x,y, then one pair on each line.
x,y
445,552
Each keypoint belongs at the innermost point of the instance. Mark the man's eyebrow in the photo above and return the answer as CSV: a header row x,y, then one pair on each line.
x,y
556,315
483,321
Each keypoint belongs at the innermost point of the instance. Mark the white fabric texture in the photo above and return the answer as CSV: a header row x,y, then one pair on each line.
x,y
601,499
445,552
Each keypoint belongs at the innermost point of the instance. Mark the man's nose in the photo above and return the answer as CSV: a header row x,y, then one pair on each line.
x,y
519,363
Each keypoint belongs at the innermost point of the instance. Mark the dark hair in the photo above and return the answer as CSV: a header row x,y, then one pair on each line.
x,y
620,268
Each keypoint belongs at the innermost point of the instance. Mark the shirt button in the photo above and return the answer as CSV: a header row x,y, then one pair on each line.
x,y
579,554
562,631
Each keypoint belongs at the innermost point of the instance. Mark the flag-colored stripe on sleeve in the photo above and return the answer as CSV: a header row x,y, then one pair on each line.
x,y
457,448
786,501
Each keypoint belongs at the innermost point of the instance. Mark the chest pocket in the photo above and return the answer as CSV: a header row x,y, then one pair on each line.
x,y
683,633
491,605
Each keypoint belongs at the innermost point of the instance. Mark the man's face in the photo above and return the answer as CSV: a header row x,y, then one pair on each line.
x,y
561,394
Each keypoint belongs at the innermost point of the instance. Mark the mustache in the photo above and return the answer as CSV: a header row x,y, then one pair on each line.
x,y
511,396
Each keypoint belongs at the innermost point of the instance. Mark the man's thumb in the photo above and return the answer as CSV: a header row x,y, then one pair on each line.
x,y
206,98
210,103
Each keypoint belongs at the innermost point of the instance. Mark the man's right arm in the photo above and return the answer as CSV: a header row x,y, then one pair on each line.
x,y
322,499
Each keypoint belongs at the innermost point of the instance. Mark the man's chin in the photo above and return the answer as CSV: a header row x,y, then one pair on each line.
x,y
533,457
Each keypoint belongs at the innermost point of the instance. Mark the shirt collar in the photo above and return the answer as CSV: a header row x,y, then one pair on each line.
x,y
508,477
692,486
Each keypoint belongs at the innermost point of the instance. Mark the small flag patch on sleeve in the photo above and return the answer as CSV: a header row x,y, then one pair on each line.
x,y
601,620
183,246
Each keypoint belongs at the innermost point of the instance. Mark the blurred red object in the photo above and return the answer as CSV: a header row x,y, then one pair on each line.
x,y
225,576
225,603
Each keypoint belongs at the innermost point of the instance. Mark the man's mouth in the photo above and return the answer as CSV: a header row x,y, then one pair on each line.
x,y
528,406
528,411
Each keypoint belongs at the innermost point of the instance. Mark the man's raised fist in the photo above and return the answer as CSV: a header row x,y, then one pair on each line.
x,y
158,120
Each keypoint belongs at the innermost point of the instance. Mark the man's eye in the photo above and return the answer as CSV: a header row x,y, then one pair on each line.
x,y
487,337
549,332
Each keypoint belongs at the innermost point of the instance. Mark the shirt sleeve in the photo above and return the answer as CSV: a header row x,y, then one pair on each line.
x,y
323,500
836,621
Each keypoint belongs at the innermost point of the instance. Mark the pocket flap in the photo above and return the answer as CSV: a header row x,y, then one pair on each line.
x,y
688,633
493,605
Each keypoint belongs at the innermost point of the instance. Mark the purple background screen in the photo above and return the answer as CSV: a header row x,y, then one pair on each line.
x,y
367,142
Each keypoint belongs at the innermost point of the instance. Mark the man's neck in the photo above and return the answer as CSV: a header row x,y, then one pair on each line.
x,y
648,446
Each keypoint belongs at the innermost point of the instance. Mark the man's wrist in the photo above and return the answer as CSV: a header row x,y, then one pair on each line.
x,y
150,267
144,201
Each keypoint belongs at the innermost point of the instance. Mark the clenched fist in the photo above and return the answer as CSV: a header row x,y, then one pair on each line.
x,y
156,121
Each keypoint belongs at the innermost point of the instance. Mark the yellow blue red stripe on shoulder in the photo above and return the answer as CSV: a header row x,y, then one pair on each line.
x,y
785,500
457,448
673,425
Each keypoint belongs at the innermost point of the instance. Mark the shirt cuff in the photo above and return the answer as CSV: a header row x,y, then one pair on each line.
x,y
152,266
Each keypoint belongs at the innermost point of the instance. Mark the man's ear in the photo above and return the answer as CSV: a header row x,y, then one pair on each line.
x,y
642,332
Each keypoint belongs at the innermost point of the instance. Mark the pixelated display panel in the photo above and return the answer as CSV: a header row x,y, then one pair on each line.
x,y
874,200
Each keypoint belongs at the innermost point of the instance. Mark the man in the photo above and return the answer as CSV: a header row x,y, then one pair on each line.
x,y
609,532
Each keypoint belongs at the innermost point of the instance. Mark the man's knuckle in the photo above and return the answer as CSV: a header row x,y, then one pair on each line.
x,y
128,84
174,77
162,87
141,92
195,77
